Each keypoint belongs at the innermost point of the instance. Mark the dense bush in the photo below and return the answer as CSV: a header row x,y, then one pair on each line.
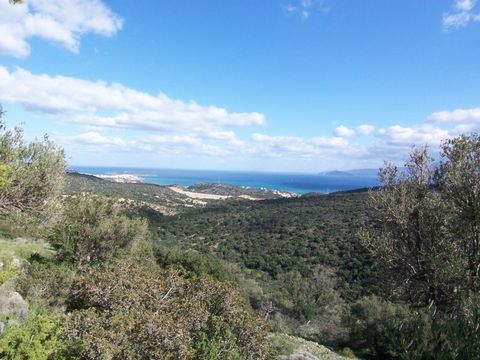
x,y
315,304
46,283
93,229
194,262
375,324
437,335
428,218
129,311
40,337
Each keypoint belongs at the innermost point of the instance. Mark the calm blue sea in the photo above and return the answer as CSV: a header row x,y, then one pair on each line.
x,y
294,182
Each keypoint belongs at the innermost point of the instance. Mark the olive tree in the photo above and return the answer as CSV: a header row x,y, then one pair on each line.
x,y
459,183
31,173
412,237
427,231
94,229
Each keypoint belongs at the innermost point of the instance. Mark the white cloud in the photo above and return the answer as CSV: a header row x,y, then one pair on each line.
x,y
462,120
129,108
172,139
365,129
304,8
398,135
94,138
463,14
343,131
456,20
329,141
172,144
221,135
465,5
156,123
60,21
295,146
456,116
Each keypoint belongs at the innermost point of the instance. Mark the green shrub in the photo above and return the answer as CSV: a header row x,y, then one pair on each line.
x,y
215,341
38,338
194,262
435,335
388,330
347,352
93,229
46,284
7,272
128,310
5,175
375,324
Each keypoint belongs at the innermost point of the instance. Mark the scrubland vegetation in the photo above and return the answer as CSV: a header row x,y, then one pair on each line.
x,y
88,271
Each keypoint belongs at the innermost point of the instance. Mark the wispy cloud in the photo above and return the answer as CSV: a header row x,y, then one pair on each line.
x,y
60,21
464,13
304,8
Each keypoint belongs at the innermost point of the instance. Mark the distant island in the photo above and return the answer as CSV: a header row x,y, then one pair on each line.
x,y
348,173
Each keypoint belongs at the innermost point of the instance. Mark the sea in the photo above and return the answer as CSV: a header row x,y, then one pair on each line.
x,y
292,182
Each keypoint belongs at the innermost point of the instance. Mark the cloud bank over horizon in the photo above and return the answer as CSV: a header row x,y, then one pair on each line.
x,y
101,114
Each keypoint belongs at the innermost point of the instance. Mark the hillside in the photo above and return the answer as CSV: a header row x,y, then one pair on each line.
x,y
167,200
282,235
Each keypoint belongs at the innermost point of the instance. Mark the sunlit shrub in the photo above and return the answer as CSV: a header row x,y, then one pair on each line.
x,y
93,229
131,311
39,338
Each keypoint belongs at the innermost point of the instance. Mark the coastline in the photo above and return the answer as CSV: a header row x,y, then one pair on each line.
x,y
279,183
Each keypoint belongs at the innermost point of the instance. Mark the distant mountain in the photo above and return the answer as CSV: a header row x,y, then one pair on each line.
x,y
348,173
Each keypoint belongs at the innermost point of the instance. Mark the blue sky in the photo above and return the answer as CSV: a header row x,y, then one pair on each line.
x,y
295,85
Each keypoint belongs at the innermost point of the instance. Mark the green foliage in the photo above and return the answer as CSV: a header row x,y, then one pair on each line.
x,y
413,239
215,341
282,235
374,325
347,352
308,297
46,283
31,174
128,311
38,338
459,184
23,248
5,175
93,230
18,249
195,263
7,272
436,335
300,257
